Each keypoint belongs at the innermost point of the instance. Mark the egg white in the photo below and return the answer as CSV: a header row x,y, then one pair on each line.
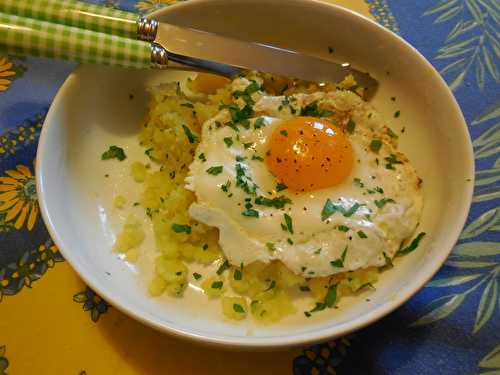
x,y
374,232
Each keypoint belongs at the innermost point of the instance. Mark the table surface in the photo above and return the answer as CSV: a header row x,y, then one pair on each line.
x,y
51,323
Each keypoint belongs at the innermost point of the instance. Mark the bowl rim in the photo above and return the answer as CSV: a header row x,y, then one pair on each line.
x,y
277,341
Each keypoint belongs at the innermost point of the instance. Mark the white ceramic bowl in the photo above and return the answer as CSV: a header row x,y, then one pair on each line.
x,y
93,110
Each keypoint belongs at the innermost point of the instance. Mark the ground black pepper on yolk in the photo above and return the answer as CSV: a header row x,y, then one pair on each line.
x,y
308,153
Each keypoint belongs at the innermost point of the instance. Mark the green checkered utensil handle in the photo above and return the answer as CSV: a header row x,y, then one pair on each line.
x,y
75,13
26,36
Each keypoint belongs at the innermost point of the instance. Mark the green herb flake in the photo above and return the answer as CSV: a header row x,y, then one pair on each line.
x,y
270,246
114,152
351,125
388,263
214,171
357,182
280,187
290,241
259,123
224,266
181,228
243,181
188,105
250,212
237,275
288,222
343,228
413,245
258,158
392,134
339,263
362,234
238,308
149,152
375,145
277,202
202,157
307,314
190,136
217,285
313,110
248,145
284,133
197,276
240,158
397,114
228,141
304,288
226,186
318,251
382,202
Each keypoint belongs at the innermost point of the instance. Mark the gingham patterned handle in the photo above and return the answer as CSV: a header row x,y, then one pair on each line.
x,y
75,13
26,36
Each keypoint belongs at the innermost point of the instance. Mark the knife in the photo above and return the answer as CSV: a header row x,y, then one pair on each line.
x,y
187,48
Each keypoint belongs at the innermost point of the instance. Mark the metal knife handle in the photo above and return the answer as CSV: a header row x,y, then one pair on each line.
x,y
26,36
76,13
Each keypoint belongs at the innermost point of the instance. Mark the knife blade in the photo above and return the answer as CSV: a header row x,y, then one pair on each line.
x,y
200,48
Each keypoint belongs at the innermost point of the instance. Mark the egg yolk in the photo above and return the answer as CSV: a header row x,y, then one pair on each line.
x,y
307,153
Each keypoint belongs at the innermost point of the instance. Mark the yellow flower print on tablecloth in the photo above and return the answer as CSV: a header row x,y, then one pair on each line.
x,y
5,72
18,198
148,6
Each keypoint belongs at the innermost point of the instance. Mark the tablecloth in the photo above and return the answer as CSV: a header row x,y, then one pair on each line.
x,y
51,323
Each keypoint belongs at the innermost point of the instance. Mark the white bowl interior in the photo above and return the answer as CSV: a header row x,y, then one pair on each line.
x,y
98,107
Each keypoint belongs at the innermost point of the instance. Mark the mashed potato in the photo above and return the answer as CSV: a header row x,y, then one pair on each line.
x,y
170,135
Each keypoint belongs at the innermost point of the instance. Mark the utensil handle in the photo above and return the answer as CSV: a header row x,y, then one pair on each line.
x,y
75,13
26,36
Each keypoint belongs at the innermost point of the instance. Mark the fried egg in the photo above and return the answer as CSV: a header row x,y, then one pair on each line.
x,y
313,180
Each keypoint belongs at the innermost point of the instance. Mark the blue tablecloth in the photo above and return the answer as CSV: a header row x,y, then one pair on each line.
x,y
452,326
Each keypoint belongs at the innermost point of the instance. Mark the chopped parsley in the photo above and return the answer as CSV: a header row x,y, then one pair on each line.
x,y
238,308
290,241
339,262
277,202
388,263
396,114
351,125
382,202
375,145
343,228
413,245
330,208
215,170
392,134
304,288
362,234
228,141
243,181
288,223
313,110
246,94
202,157
318,251
238,116
197,276
114,152
237,275
248,145
148,152
259,158
284,133
241,158
250,212
190,136
217,285
357,182
189,105
259,123
329,301
181,228
270,246
224,266
281,187
225,187
391,160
